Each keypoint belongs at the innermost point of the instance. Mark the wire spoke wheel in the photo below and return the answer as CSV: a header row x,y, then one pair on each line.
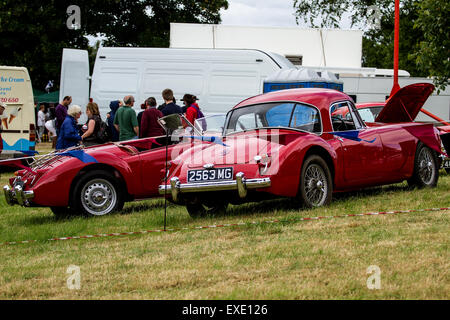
x,y
426,171
426,167
316,185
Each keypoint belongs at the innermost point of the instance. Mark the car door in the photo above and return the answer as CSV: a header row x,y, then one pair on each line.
x,y
363,160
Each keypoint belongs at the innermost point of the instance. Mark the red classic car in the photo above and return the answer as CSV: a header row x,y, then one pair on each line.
x,y
369,112
289,144
92,181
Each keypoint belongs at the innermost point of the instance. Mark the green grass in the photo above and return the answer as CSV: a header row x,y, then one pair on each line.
x,y
325,259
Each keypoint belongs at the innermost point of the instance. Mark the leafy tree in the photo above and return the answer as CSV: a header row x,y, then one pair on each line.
x,y
424,49
34,33
432,56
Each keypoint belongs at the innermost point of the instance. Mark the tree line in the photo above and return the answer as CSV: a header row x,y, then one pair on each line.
x,y
33,33
424,32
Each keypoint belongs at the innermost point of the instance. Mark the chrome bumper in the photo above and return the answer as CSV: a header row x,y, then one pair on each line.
x,y
241,184
17,195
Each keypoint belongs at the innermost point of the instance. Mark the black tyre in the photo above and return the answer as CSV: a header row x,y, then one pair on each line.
x,y
198,209
316,185
447,170
62,212
97,193
426,170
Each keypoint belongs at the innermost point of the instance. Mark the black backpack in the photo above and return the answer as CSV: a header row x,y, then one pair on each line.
x,y
103,134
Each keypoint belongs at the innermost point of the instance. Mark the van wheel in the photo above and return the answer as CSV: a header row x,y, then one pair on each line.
x,y
316,185
98,193
426,171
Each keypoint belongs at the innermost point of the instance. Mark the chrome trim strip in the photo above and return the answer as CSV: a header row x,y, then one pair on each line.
x,y
241,184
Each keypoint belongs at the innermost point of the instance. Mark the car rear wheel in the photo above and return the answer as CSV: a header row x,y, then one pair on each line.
x,y
98,193
316,185
198,209
426,171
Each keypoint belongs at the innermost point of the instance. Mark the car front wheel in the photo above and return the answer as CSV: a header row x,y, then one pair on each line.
x,y
98,193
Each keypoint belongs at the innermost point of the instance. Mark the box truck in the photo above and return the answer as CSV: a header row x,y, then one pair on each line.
x,y
17,126
219,78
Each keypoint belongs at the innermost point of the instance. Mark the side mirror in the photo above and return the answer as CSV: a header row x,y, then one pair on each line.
x,y
171,122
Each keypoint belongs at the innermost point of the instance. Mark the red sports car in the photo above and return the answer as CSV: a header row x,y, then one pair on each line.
x,y
93,181
369,112
288,143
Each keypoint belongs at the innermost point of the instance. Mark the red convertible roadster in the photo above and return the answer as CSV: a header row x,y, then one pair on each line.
x,y
93,181
290,144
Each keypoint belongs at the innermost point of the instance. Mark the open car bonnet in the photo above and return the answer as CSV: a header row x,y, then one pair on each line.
x,y
406,103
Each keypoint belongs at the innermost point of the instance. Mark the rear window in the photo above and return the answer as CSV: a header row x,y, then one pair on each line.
x,y
275,115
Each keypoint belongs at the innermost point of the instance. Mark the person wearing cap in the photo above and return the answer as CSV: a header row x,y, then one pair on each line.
x,y
192,109
2,109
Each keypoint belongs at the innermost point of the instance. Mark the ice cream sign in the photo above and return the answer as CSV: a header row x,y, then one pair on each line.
x,y
10,88
13,92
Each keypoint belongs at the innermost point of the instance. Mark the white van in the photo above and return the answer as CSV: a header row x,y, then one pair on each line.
x,y
220,78
18,128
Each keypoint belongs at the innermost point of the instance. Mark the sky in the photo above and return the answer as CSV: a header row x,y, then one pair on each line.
x,y
268,13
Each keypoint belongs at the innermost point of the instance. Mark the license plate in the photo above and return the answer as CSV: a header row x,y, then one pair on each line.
x,y
210,175
446,163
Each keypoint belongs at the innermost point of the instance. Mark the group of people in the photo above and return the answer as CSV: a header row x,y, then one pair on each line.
x,y
122,122
45,119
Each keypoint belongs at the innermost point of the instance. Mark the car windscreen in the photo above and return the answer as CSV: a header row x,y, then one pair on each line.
x,y
274,115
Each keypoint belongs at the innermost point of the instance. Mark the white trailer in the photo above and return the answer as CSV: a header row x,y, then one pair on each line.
x,y
219,78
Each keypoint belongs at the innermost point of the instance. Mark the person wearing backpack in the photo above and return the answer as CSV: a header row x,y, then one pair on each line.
x,y
92,127
193,111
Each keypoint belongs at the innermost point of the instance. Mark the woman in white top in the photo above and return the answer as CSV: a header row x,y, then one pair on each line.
x,y
41,122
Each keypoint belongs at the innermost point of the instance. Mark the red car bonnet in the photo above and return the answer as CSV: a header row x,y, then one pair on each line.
x,y
406,103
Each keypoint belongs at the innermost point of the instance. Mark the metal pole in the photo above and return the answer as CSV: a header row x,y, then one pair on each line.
x,y
396,86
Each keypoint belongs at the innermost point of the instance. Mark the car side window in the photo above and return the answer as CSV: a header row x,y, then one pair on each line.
x,y
343,117
359,123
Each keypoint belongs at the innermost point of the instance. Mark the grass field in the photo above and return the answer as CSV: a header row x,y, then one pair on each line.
x,y
324,259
